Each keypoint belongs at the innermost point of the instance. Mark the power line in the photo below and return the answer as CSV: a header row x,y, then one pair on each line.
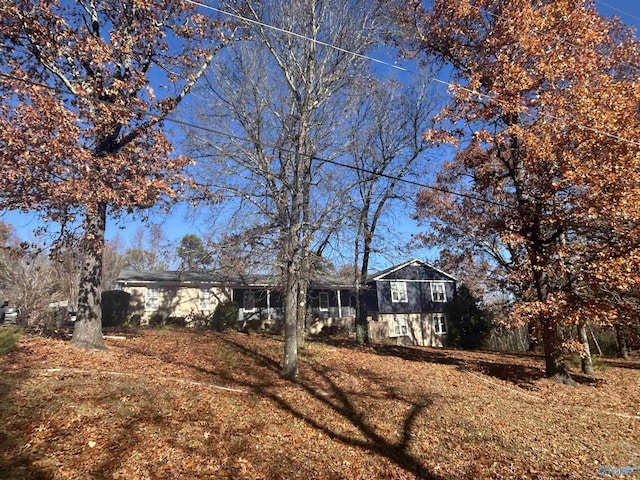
x,y
390,65
617,10
184,123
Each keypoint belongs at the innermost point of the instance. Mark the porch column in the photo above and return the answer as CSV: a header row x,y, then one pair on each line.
x,y
269,305
339,305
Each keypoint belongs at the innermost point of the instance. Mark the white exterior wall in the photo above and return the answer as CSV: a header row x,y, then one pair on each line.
x,y
172,301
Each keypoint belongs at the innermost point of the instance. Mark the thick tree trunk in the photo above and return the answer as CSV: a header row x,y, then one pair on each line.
x,y
362,324
87,332
555,368
585,358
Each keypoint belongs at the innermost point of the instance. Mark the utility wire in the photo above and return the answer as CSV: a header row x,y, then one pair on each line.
x,y
617,10
388,64
183,123
231,136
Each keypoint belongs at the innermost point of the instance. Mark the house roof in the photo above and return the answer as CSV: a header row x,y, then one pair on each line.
x,y
140,276
256,280
383,273
212,278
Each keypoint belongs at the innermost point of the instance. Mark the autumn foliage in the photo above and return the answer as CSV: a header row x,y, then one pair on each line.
x,y
84,87
170,404
77,99
547,185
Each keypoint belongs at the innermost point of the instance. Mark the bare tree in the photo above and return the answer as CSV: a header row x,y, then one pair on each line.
x,y
113,261
147,249
28,278
282,97
386,145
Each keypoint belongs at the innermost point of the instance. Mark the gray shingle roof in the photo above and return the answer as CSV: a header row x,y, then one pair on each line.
x,y
251,280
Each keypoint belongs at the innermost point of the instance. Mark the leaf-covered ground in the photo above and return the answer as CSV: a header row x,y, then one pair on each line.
x,y
176,404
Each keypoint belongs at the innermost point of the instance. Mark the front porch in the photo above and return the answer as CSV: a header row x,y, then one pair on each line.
x,y
327,309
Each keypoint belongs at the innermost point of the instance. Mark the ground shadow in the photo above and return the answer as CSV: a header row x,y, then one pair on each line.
x,y
13,463
264,380
633,364
521,369
341,402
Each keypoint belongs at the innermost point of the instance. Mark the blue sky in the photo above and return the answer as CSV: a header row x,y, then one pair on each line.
x,y
627,10
178,223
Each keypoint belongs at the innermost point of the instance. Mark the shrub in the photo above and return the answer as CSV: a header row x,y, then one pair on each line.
x,y
115,308
469,324
175,321
9,337
225,316
156,320
199,320
134,320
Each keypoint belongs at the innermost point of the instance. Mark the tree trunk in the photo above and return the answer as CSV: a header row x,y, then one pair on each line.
x,y
555,368
585,358
623,351
533,336
87,332
362,324
301,323
290,363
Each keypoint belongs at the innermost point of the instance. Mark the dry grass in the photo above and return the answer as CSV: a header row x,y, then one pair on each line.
x,y
150,407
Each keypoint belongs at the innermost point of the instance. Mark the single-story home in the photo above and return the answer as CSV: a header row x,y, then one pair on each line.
x,y
406,303
164,294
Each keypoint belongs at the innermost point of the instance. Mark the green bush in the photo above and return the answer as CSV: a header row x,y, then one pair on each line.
x,y
9,337
225,316
469,324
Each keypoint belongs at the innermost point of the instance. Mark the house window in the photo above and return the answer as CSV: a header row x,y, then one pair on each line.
x,y
204,300
398,292
439,323
399,326
152,299
438,292
323,301
248,301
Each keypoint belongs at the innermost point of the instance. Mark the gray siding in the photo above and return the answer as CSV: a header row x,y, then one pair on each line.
x,y
418,280
418,298
417,272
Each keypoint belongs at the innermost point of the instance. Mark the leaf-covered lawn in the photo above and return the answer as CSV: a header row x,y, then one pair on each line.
x,y
179,404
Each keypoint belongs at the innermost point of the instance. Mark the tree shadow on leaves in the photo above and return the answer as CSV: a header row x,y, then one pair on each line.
x,y
14,463
318,382
261,376
522,370
633,364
